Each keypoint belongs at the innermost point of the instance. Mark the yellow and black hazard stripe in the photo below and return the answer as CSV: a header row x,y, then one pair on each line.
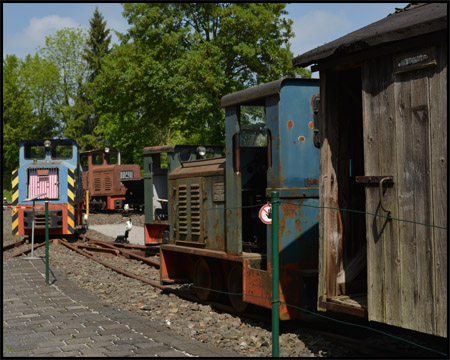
x,y
71,201
15,200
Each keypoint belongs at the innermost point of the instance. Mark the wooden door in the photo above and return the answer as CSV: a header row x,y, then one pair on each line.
x,y
401,114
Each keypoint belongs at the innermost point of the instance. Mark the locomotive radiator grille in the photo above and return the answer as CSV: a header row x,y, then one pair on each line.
x,y
103,181
97,184
189,229
108,184
195,210
182,210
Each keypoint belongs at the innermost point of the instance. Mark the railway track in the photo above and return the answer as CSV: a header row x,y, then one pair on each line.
x,y
95,247
21,247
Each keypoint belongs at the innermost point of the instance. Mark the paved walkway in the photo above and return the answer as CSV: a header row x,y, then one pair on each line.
x,y
63,320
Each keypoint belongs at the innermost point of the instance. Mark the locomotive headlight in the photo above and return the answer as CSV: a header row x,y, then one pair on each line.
x,y
47,143
201,150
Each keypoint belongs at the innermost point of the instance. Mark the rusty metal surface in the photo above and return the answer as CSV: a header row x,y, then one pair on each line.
x,y
13,245
311,182
104,181
127,253
156,177
99,250
373,179
199,168
201,252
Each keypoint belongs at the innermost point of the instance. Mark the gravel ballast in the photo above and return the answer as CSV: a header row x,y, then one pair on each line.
x,y
190,319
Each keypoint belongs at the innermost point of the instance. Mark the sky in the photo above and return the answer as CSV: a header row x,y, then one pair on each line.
x,y
25,25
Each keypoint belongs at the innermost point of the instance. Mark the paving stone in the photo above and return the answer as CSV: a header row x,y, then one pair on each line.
x,y
120,347
25,353
50,343
83,340
69,354
39,320
98,351
73,347
99,343
42,351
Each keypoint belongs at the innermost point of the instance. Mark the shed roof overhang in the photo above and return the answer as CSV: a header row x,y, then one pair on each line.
x,y
417,20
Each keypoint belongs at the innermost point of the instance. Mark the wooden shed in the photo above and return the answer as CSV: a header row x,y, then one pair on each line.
x,y
383,166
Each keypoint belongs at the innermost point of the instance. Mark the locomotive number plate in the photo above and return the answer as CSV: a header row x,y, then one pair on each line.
x,y
219,191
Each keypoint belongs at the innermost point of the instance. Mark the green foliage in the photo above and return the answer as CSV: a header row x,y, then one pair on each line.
x,y
163,84
65,49
41,78
29,100
84,119
97,45
7,194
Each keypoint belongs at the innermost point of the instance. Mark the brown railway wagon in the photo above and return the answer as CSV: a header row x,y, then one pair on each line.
x,y
383,141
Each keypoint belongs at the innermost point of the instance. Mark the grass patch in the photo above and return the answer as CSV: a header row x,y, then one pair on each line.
x,y
7,194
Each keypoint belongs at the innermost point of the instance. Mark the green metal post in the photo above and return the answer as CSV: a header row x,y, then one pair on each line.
x,y
275,277
46,241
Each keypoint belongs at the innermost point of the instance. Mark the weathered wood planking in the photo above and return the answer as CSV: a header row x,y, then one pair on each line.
x,y
422,199
405,183
438,132
371,118
333,228
388,166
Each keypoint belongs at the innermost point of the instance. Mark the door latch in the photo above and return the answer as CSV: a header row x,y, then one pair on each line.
x,y
380,180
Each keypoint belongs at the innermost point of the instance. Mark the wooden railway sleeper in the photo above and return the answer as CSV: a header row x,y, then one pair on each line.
x,y
128,254
121,271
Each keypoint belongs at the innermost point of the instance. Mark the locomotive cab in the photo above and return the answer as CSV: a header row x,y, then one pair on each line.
x,y
103,176
217,240
49,167
159,162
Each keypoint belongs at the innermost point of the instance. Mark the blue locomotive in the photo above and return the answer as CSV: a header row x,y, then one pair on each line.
x,y
52,168
216,240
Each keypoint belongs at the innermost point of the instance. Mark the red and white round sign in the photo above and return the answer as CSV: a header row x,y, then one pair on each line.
x,y
265,214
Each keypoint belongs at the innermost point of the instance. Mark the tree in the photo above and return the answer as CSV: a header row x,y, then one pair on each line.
x,y
178,59
42,78
97,46
66,50
85,119
28,105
